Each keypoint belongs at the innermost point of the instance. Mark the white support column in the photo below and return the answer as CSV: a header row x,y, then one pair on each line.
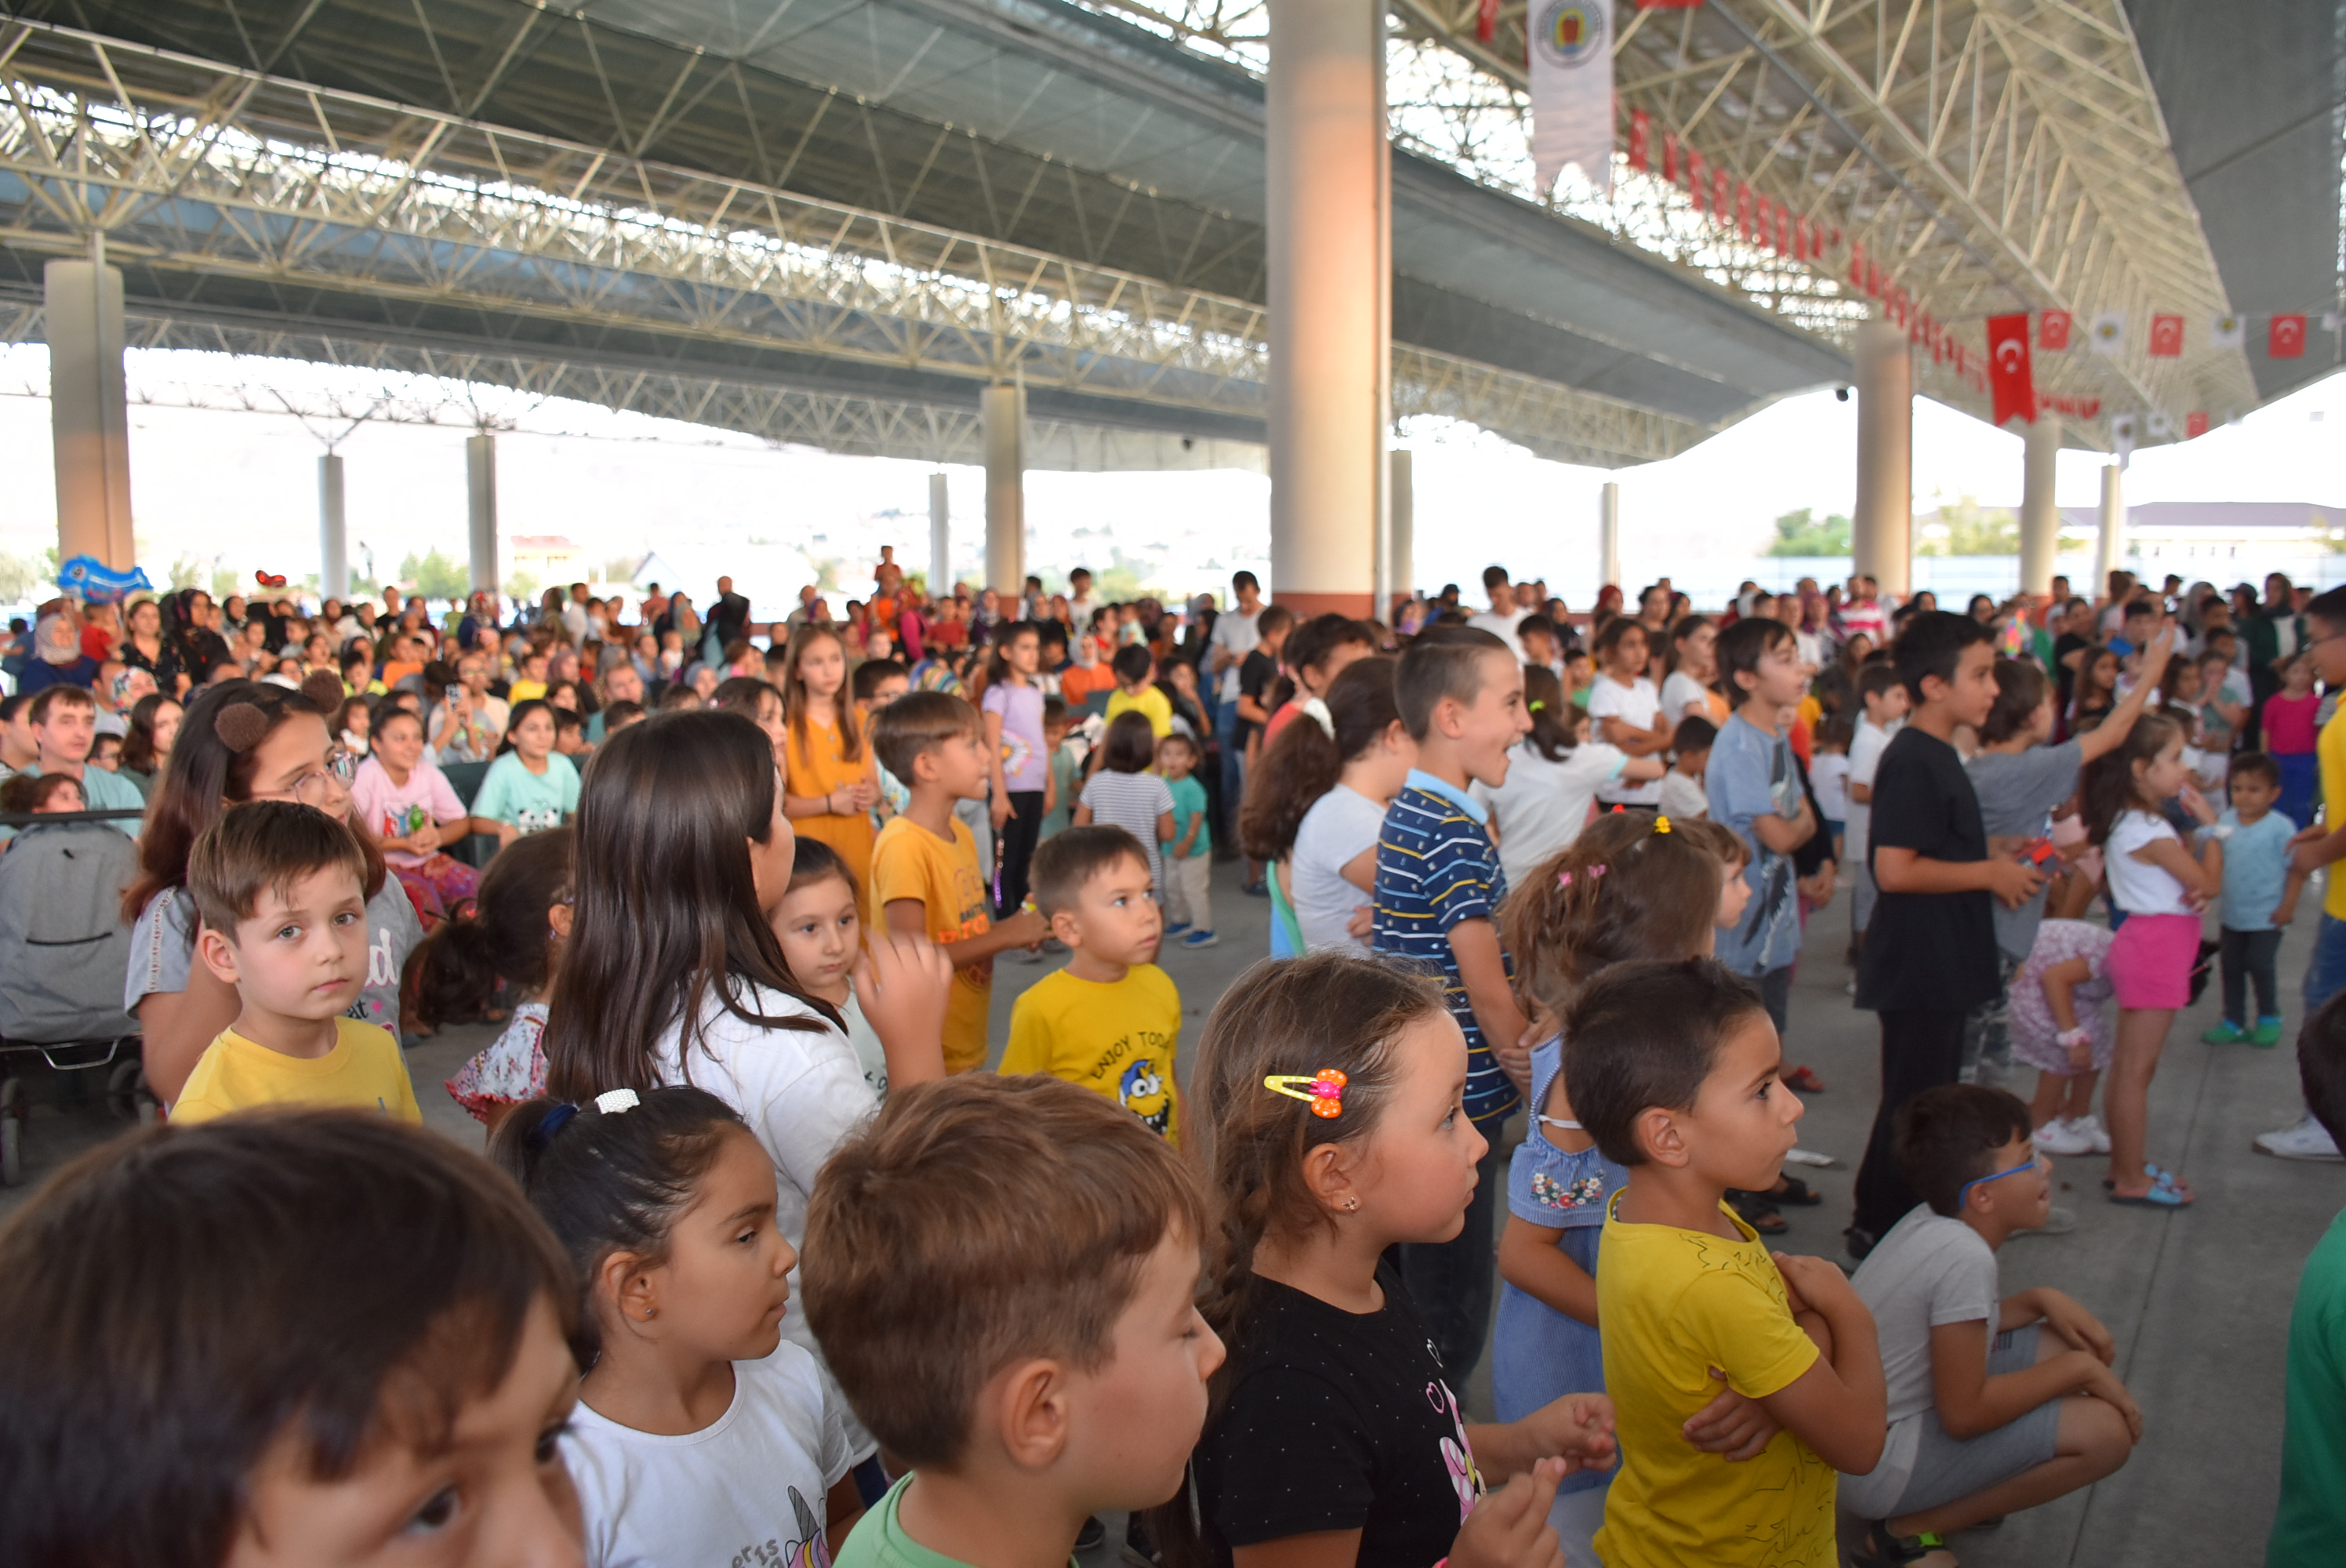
x,y
1004,411
2040,519
333,540
1608,535
1882,533
940,539
1330,238
2109,555
1401,532
481,491
89,421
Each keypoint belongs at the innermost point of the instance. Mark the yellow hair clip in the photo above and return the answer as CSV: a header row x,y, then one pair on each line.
x,y
1323,1091
1535,706
1661,824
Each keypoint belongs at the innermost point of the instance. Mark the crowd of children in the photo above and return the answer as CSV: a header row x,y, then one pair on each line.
x,y
765,1252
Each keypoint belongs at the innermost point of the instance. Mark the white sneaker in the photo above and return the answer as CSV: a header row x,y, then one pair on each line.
x,y
2060,1137
2308,1140
2090,1128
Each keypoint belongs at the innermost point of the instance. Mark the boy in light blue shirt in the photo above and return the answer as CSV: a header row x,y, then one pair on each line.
x,y
2259,898
1754,787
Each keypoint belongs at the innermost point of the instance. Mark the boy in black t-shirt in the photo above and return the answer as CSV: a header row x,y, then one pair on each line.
x,y
1930,951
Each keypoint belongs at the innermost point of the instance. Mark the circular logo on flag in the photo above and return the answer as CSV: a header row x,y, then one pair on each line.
x,y
1571,33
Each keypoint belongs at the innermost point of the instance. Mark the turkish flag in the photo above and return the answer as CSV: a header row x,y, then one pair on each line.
x,y
2195,425
1721,192
2008,377
1641,136
1670,156
2053,331
1486,19
1696,184
2285,340
2166,337
1801,241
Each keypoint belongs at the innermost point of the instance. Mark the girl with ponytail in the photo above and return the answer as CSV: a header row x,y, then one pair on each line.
x,y
511,933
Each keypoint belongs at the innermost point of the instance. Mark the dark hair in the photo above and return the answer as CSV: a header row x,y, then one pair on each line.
x,y
812,861
872,673
1618,892
1694,734
917,722
1029,1203
2321,1063
1556,722
1644,1034
1305,762
1740,647
742,694
388,709
1272,618
2019,692
1130,744
1933,645
1536,624
25,792
1611,634
1441,662
1947,1137
1132,663
1317,638
15,702
265,845
667,924
2257,764
997,657
521,710
1877,677
2328,607
183,1299
1056,714
607,1182
794,695
2109,789
1070,858
501,937
50,696
1492,576
621,714
1836,729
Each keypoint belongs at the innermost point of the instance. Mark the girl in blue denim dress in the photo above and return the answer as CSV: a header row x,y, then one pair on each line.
x,y
1629,887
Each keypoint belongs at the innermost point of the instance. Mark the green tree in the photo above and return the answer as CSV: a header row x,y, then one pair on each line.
x,y
191,572
519,585
1800,533
1964,527
33,576
436,577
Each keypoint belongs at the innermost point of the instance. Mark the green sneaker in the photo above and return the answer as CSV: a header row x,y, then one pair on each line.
x,y
2267,1033
2228,1034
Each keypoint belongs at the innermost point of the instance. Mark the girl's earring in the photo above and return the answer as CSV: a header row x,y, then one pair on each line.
x,y
1351,1204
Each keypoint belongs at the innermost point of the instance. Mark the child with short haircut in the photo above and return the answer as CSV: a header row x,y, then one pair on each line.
x,y
820,924
1066,767
65,728
1996,1403
1328,1090
618,716
281,891
509,937
1123,793
877,683
1190,853
1883,704
1829,774
1438,889
2260,891
1674,1070
2289,722
1754,791
326,1364
1930,955
925,876
1070,1378
1110,1021
1136,691
1684,793
700,1434
2312,1511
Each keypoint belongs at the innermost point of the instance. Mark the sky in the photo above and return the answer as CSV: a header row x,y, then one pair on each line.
x,y
240,488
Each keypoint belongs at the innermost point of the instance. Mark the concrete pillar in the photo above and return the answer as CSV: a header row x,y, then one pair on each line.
x,y
481,491
1004,411
1608,536
1330,304
2040,519
2109,555
1882,533
940,538
333,540
90,420
1399,563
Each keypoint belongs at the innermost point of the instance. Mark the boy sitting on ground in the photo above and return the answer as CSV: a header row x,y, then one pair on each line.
x,y
1994,1405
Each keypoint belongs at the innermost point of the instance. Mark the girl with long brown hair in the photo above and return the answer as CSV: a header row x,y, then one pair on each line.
x,y
828,762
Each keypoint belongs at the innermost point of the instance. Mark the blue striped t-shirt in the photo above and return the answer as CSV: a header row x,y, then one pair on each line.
x,y
1435,869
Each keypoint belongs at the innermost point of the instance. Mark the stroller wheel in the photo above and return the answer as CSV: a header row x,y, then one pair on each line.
x,y
12,1150
126,1095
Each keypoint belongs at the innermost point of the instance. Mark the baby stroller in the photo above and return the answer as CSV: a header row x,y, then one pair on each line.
x,y
63,950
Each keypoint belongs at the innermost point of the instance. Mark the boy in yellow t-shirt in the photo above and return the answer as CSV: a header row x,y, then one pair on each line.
x,y
1136,690
925,876
281,888
1676,1071
1108,1022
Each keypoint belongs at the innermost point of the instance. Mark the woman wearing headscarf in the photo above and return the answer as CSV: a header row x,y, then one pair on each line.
x,y
201,650
57,658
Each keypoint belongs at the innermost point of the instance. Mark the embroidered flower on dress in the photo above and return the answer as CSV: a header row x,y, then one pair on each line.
x,y
1550,1193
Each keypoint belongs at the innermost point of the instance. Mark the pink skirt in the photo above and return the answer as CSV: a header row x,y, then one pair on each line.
x,y
2151,959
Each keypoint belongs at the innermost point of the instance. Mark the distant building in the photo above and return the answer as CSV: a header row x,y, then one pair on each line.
x,y
2199,538
546,559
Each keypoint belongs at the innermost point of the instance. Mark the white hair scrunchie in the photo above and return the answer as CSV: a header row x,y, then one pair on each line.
x,y
1317,710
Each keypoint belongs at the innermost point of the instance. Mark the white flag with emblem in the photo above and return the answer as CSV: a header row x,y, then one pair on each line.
x,y
2227,332
1571,90
2108,333
2161,426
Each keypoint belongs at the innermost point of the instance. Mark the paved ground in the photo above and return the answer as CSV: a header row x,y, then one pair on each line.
x,y
2198,1300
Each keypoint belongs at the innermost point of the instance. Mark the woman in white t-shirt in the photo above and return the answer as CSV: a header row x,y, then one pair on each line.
x,y
1552,777
1625,711
1688,691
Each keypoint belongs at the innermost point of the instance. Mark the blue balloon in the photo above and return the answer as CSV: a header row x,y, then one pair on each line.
x,y
93,582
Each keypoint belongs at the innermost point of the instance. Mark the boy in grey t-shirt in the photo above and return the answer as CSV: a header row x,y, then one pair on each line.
x,y
1995,1404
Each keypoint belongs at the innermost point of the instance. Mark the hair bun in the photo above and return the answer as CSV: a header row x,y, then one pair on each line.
x,y
325,687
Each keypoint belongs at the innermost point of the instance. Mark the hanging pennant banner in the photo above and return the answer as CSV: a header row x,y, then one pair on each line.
x,y
1721,191
1486,20
1571,90
1696,184
1670,156
2285,339
1641,136
2053,331
2195,425
2166,337
2109,333
2226,332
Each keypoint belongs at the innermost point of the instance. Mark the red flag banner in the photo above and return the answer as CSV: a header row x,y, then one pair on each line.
x,y
1800,251
1783,229
2166,337
2008,371
1670,156
1641,136
1486,20
1696,184
1721,193
2195,425
2285,339
1857,266
2053,331
1742,209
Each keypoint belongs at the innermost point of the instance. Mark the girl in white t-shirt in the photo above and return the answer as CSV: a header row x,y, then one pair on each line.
x,y
2159,886
820,924
1553,776
1688,691
1626,710
700,1435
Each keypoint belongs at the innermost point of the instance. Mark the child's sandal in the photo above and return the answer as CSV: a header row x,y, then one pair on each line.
x,y
1880,1548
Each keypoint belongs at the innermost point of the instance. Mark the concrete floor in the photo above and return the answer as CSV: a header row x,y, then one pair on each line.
x,y
2198,1300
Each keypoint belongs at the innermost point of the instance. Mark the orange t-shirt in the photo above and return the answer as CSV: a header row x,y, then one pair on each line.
x,y
911,862
1078,682
818,768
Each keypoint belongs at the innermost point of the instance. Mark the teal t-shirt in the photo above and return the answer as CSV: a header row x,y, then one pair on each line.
x,y
532,802
1067,778
878,1541
1188,803
2311,1519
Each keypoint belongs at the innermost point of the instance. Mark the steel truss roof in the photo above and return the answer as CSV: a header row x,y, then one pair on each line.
x,y
235,195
